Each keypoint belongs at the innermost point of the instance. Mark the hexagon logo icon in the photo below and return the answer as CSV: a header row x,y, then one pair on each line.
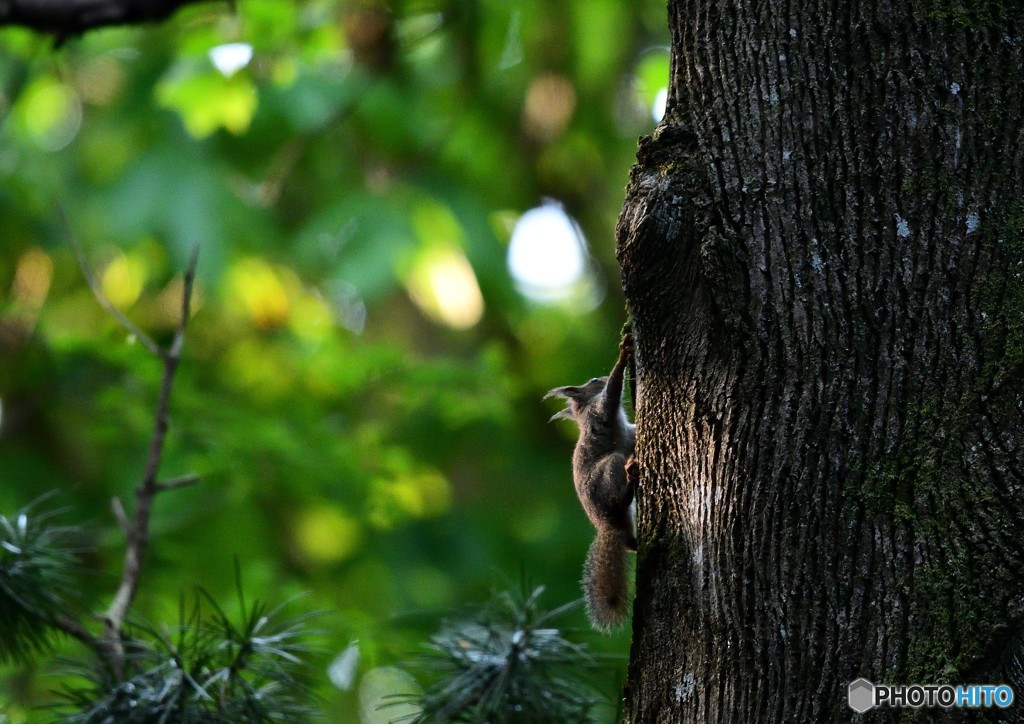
x,y
860,695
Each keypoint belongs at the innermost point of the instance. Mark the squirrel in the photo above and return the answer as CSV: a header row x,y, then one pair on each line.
x,y
604,472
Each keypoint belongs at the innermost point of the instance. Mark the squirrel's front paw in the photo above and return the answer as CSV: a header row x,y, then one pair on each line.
x,y
626,345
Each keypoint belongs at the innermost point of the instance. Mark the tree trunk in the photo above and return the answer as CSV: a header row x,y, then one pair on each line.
x,y
822,248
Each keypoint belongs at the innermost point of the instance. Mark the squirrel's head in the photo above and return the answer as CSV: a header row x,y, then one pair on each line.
x,y
579,397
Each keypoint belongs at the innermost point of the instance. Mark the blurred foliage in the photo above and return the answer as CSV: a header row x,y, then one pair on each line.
x,y
360,387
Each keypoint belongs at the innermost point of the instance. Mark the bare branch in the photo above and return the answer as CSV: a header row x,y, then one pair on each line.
x,y
116,313
117,507
76,630
175,483
186,295
68,18
137,529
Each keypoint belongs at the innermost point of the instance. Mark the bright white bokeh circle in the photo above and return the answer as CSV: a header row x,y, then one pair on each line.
x,y
230,58
658,107
547,254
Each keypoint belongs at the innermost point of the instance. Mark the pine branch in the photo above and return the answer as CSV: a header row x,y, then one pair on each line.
x,y
76,630
506,663
209,668
36,563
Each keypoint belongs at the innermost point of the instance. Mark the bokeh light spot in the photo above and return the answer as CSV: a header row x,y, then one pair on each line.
x,y
547,254
257,287
419,494
442,284
311,318
650,84
32,278
658,107
325,534
381,696
122,280
230,58
51,113
550,103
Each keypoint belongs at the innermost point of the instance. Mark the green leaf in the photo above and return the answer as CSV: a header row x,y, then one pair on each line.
x,y
207,101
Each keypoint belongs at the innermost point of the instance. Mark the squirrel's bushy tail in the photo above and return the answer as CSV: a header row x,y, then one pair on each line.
x,y
604,580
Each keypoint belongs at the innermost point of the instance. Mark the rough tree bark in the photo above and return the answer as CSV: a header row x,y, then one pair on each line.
x,y
822,249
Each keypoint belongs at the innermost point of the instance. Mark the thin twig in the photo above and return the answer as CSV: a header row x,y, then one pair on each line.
x,y
175,483
137,529
76,630
117,507
97,291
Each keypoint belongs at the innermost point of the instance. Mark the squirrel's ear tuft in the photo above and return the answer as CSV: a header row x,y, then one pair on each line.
x,y
563,392
565,414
